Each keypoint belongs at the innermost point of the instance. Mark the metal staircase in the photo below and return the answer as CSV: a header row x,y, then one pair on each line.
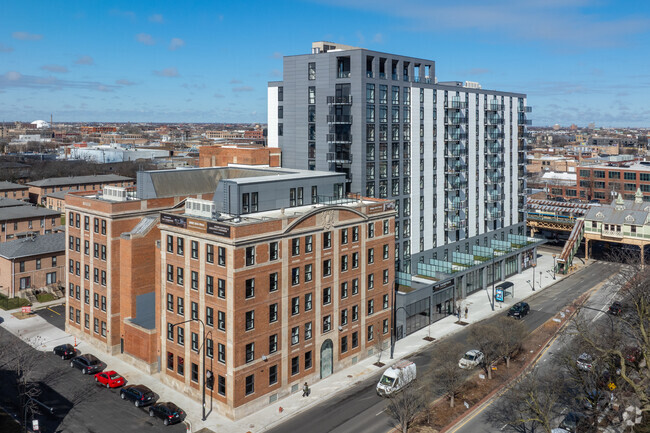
x,y
565,260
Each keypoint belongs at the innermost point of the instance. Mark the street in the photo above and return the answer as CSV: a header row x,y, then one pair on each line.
x,y
359,409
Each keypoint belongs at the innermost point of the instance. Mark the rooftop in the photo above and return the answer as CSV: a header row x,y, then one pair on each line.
x,y
10,202
79,180
4,186
639,166
33,246
27,211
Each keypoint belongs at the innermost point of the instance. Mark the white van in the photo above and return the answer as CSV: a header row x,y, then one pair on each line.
x,y
396,377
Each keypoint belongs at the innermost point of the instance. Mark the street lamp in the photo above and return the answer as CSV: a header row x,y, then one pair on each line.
x,y
393,336
203,349
540,279
533,266
553,266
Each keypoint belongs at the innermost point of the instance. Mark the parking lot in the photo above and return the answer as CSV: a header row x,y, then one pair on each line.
x,y
80,404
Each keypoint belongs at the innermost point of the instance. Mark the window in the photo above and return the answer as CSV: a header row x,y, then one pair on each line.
x,y
180,335
355,260
250,352
371,332
385,326
327,267
87,321
273,251
194,280
308,331
386,227
371,255
371,307
327,323
327,295
221,381
250,256
308,244
170,273
103,278
221,320
273,375
355,313
355,286
344,290
209,348
295,305
209,316
195,341
344,344
295,365
308,304
295,276
221,256
295,246
254,201
250,320
308,361
96,302
273,343
246,200
180,306
295,335
96,325
195,372
385,302
209,284
355,234
344,236
180,276
308,273
273,313
385,276
221,353
194,308
95,223
221,288
344,317
371,281
195,250
327,240
103,303
250,384
311,95
250,288
209,253
21,266
86,296
86,250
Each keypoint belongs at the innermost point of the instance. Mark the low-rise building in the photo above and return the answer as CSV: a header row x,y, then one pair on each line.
x,y
605,182
17,222
40,188
14,190
225,155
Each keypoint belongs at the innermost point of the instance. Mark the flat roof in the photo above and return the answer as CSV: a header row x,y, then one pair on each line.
x,y
631,167
79,180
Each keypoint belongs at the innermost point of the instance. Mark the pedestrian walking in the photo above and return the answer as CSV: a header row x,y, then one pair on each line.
x,y
466,310
305,390
458,312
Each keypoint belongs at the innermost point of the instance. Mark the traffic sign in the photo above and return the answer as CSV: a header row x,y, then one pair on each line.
x,y
27,309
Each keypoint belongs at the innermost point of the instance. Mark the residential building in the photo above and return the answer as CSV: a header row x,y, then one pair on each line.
x,y
40,188
606,182
56,200
36,262
14,190
22,221
225,155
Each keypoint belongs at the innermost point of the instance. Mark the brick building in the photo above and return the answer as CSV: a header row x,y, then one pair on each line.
x,y
32,263
21,221
222,156
40,188
14,190
605,182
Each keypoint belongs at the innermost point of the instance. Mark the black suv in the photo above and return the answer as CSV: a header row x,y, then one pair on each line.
x,y
65,351
168,412
140,395
519,310
87,363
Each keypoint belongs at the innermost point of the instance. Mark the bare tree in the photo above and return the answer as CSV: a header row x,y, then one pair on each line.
x,y
512,333
486,338
446,376
404,406
380,347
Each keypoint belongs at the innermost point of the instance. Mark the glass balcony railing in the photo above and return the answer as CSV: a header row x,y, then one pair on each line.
x,y
456,184
339,138
494,107
493,215
455,120
339,119
339,157
455,224
494,179
456,205
494,197
457,105
339,100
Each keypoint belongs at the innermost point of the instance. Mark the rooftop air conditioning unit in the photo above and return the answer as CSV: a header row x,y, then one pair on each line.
x,y
114,193
200,208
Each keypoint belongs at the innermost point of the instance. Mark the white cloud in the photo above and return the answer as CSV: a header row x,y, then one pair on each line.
x,y
13,76
157,18
55,68
25,36
378,38
276,55
5,49
242,89
85,60
235,81
145,38
167,72
124,82
218,95
176,43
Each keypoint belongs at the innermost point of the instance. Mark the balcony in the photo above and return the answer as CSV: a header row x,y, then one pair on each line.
x,y
456,136
612,233
494,197
339,119
526,122
455,184
494,179
455,120
455,168
493,120
494,135
494,107
455,224
493,164
457,105
456,150
339,100
395,76
494,149
369,74
343,74
339,157
339,138
525,109
494,215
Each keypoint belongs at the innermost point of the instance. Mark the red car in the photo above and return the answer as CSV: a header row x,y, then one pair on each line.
x,y
110,378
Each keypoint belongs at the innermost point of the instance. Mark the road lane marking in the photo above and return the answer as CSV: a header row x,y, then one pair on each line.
x,y
379,413
53,311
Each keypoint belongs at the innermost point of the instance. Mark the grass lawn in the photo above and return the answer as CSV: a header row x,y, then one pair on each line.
x,y
45,297
12,303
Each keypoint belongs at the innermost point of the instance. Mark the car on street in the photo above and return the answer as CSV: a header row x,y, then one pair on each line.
x,y
519,310
110,379
65,351
585,362
615,309
168,412
471,359
140,395
87,363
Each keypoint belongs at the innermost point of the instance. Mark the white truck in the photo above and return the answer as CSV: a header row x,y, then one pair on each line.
x,y
396,377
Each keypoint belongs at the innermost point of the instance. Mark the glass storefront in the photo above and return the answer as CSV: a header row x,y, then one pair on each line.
x,y
511,266
418,315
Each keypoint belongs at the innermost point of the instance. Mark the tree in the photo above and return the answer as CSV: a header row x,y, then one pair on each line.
x,y
531,404
446,376
512,333
380,347
486,338
405,405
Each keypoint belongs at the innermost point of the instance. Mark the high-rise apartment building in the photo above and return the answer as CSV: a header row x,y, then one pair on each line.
x,y
451,154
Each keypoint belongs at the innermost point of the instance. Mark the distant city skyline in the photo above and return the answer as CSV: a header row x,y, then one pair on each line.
x,y
578,61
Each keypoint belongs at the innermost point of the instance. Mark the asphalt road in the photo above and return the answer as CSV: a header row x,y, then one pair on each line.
x,y
358,409
81,406
54,315
601,300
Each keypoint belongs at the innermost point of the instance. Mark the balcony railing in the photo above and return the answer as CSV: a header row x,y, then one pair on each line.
x,y
494,149
454,185
339,119
339,138
343,74
526,122
495,179
492,163
457,105
494,135
455,168
456,136
369,74
494,120
494,215
339,158
525,109
339,100
455,225
493,107
395,76
612,233
455,120
494,198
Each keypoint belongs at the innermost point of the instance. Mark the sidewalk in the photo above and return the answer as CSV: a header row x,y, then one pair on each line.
x,y
478,305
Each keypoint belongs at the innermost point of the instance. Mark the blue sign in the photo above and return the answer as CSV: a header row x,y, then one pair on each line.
x,y
499,295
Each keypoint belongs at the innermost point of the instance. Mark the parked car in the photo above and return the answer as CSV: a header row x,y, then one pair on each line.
x,y
168,412
575,422
110,378
65,351
585,362
615,309
519,310
471,359
140,395
87,363
396,377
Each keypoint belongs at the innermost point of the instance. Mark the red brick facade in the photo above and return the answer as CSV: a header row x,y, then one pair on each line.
x,y
222,156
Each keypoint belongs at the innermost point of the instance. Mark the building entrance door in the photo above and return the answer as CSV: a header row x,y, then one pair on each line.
x,y
326,359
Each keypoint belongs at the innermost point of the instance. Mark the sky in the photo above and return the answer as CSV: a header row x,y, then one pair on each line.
x,y
579,61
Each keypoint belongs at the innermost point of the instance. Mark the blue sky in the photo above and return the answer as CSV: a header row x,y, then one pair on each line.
x,y
579,61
